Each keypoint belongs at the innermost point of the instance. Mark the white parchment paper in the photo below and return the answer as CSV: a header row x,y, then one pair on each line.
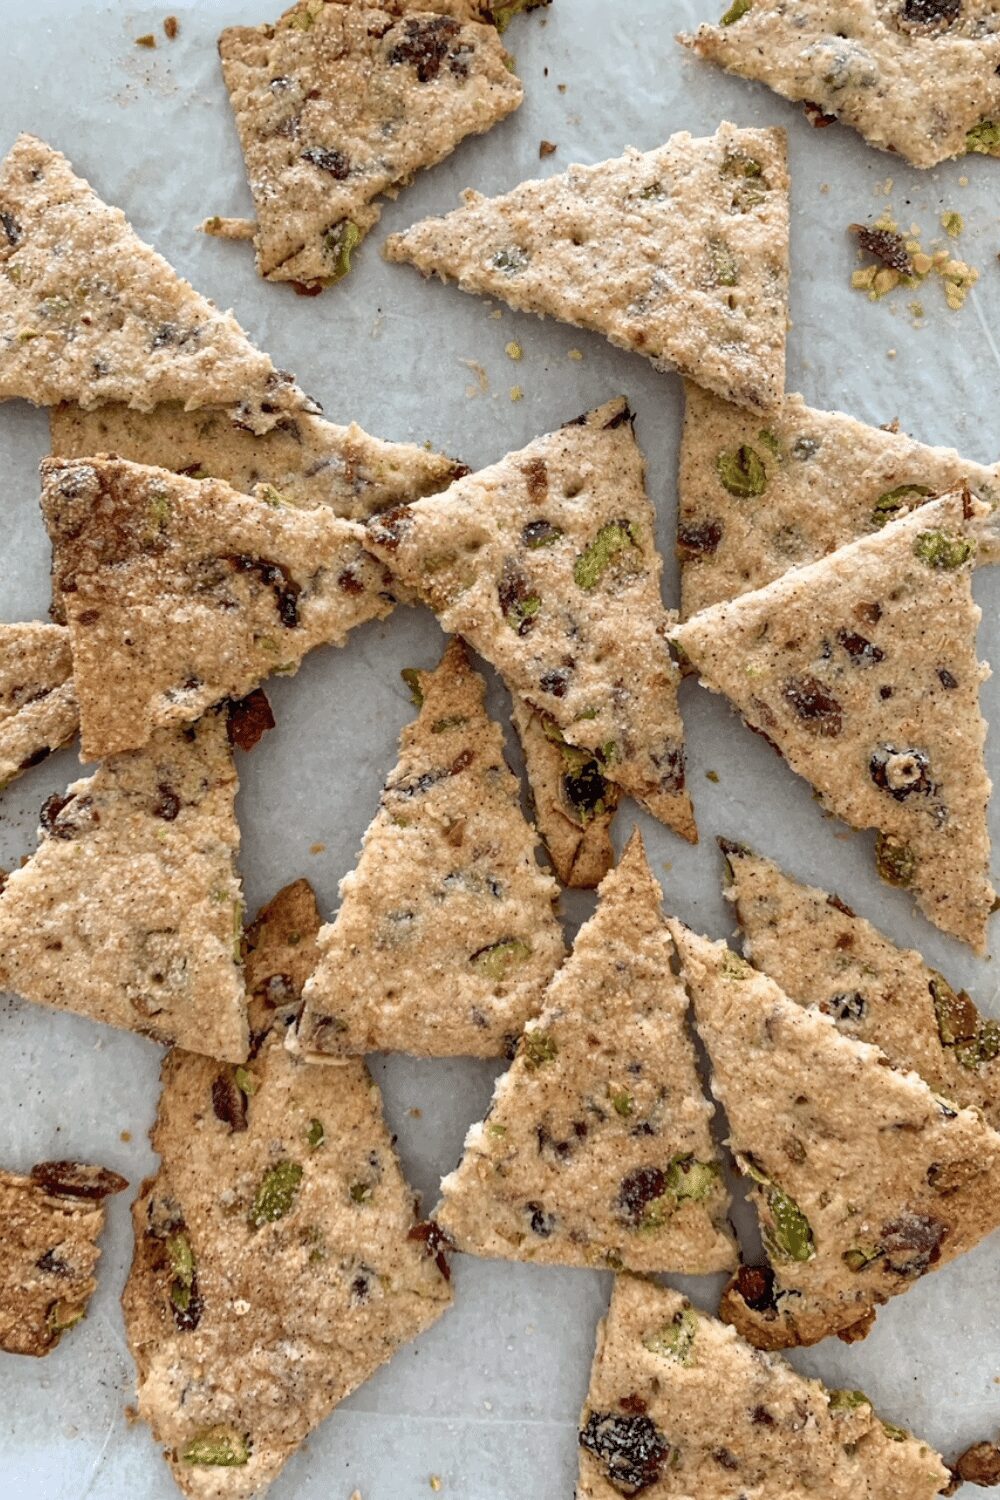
x,y
488,1399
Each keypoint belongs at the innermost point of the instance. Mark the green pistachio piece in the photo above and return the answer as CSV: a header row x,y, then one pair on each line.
x,y
498,959
957,1017
245,1081
441,726
690,1179
770,440
360,1192
983,1048
790,1237
848,1400
888,506
736,12
276,1194
860,1256
63,1315
939,550
411,677
675,1340
316,1134
341,242
593,563
984,138
523,609
739,164
181,1258
898,1434
159,510
723,262
504,14
538,1048
622,1102
510,259
271,496
734,967
218,1447
540,533
895,862
742,472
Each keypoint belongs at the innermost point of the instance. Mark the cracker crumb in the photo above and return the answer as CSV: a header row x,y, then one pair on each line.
x,y
963,182
171,26
890,354
516,393
513,350
149,40
435,1483
482,379
712,776
126,1136
561,87
355,1495
547,148
317,848
497,314
824,187
575,354
952,223
415,1113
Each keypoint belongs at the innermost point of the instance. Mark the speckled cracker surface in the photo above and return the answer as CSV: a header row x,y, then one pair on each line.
x,y
918,78
181,592
680,1406
573,800
862,670
277,1259
597,1148
341,101
547,564
52,1219
129,911
761,495
90,314
863,1178
37,703
446,934
821,953
680,254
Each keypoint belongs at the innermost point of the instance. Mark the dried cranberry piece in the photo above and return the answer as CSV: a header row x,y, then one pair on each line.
x,y
249,719
631,1449
74,1179
819,711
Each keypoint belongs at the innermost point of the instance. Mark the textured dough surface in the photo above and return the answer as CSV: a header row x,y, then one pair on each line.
x,y
38,710
574,802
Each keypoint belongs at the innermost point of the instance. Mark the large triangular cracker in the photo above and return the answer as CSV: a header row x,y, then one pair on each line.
x,y
680,1406
38,710
822,954
680,254
446,935
277,1260
761,495
90,314
129,911
342,101
182,592
573,800
547,564
862,670
917,77
863,1178
596,1149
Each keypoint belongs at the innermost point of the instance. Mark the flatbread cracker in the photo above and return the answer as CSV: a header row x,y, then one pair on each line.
x,y
547,564
758,497
861,669
129,911
680,254
596,1149
277,1260
918,78
863,1178
342,101
573,800
680,1406
91,314
822,954
446,936
182,592
38,712
52,1220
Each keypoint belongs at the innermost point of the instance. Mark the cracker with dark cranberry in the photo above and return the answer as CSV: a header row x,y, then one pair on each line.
x,y
573,800
38,712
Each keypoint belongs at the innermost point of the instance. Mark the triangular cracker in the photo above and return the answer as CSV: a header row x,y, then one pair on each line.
x,y
680,254
52,1221
129,911
38,710
861,669
863,1178
446,934
917,77
547,564
277,1261
90,314
761,495
822,954
574,802
182,592
342,101
596,1149
680,1406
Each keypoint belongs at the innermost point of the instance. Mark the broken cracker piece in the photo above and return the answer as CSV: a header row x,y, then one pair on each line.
x,y
38,712
574,802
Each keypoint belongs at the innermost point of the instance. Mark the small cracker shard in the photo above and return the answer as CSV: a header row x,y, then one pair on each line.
x,y
597,1147
980,1465
339,103
679,254
446,935
676,1400
52,1220
573,800
90,314
38,712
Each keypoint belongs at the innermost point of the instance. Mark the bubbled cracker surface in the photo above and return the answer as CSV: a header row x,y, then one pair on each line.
x,y
874,1160
129,912
839,663
577,836
571,1165
737,1422
908,85
38,710
822,479
680,254
594,658
337,104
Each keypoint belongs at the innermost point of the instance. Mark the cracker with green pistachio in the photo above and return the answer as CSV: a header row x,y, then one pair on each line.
x,y
861,669
181,592
38,711
863,1178
446,936
679,254
342,101
130,910
823,954
597,1148
574,801
52,1219
761,495
547,563
277,1259
91,314
679,1406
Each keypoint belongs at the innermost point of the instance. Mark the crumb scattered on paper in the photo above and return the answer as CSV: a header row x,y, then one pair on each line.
x,y
903,261
575,354
149,40
513,350
317,848
547,148
712,776
171,26
516,393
